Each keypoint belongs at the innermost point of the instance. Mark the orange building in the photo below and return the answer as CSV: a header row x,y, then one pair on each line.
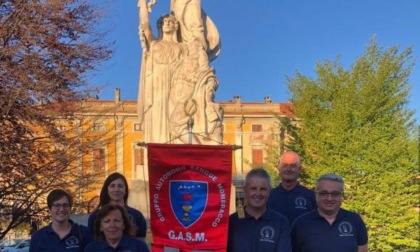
x,y
253,126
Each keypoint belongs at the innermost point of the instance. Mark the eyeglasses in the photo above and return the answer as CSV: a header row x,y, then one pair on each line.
x,y
58,205
334,195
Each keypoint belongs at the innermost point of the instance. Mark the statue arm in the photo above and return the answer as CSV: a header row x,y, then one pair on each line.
x,y
145,31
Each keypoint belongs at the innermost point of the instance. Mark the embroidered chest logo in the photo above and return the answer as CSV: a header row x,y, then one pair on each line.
x,y
72,242
267,234
300,203
345,228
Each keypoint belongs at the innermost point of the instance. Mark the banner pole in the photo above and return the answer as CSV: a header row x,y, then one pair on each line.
x,y
190,127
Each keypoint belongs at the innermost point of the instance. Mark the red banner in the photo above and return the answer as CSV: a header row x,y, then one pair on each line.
x,y
189,196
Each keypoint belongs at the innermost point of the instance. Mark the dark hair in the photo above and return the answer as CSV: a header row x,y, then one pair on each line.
x,y
104,196
129,228
258,172
160,24
57,194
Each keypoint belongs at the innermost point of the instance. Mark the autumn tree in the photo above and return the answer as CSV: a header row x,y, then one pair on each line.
x,y
355,122
47,50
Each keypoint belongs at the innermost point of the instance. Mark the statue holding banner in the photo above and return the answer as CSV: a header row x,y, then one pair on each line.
x,y
176,82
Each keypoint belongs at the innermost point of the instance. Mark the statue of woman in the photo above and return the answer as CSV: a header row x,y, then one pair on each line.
x,y
160,59
192,95
196,25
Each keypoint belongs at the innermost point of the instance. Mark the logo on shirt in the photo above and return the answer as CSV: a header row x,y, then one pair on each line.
x,y
301,203
188,200
267,234
72,242
345,228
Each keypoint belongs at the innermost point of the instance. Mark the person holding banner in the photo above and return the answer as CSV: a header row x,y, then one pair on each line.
x,y
114,232
115,190
261,229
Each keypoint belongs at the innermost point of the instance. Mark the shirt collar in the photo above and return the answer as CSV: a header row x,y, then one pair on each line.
x,y
294,189
315,214
124,242
265,216
50,229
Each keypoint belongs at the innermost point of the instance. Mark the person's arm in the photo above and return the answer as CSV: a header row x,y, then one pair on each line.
x,y
91,223
140,222
362,248
33,247
294,239
284,243
87,236
362,240
230,235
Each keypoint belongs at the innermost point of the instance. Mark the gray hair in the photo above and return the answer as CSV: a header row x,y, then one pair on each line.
x,y
331,177
258,172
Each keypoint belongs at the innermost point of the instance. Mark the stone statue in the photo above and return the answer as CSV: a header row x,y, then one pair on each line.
x,y
196,25
194,89
176,81
160,59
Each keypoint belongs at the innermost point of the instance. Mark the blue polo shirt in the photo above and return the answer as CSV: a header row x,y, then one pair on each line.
x,y
127,244
46,239
292,203
312,232
135,216
269,233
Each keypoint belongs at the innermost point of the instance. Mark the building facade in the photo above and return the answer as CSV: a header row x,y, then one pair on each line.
x,y
250,126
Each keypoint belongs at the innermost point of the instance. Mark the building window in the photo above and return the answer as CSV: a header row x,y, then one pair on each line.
x,y
98,127
256,128
138,159
138,156
99,159
257,158
137,127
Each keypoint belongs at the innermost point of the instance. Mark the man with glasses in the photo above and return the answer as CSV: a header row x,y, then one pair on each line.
x,y
329,228
291,198
62,234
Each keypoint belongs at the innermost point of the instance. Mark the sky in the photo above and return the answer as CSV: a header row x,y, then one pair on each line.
x,y
264,42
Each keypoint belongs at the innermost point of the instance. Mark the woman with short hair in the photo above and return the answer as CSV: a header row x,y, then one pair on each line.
x,y
114,232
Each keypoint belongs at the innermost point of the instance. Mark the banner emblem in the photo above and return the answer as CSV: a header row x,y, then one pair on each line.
x,y
188,200
189,196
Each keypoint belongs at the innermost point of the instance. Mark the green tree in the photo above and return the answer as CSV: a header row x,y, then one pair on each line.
x,y
356,123
47,48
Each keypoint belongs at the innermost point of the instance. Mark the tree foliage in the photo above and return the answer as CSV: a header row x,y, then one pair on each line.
x,y
356,123
47,48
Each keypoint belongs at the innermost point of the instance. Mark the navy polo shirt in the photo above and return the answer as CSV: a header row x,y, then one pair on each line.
x,y
292,203
312,232
269,233
135,216
127,244
46,239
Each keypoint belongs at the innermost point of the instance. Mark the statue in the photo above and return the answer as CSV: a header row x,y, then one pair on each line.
x,y
194,89
196,25
160,58
176,81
